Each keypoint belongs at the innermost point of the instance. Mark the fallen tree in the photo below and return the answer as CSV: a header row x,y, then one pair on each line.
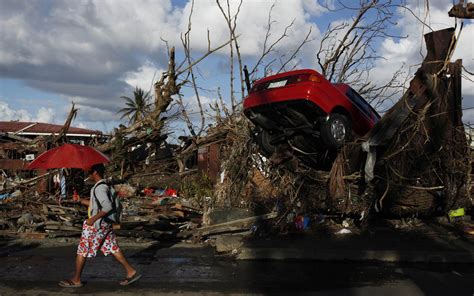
x,y
416,159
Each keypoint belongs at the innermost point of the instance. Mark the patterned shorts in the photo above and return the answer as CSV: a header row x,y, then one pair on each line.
x,y
92,239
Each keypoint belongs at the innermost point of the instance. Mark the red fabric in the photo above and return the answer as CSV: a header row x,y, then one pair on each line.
x,y
171,192
148,191
93,239
69,156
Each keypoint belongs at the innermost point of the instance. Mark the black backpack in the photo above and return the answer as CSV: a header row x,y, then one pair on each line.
x,y
115,215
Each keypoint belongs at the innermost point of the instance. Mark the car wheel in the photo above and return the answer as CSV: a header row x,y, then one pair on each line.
x,y
336,130
263,139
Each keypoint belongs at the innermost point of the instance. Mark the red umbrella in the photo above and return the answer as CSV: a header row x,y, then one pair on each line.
x,y
69,156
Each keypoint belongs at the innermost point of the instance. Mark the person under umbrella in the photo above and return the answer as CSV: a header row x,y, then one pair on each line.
x,y
97,232
69,156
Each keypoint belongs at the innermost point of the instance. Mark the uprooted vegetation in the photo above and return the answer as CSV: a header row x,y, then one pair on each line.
x,y
415,161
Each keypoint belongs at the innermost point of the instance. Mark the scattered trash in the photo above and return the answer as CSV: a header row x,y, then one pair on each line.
x,y
320,219
25,219
345,223
125,190
457,213
468,229
254,229
362,215
171,192
302,222
148,191
344,231
456,273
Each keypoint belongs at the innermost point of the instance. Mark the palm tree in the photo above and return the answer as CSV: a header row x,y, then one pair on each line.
x,y
137,107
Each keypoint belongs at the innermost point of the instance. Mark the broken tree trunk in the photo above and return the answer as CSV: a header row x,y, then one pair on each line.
x,y
61,137
417,154
151,126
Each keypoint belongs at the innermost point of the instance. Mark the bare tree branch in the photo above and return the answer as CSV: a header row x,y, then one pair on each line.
x,y
295,52
187,45
347,54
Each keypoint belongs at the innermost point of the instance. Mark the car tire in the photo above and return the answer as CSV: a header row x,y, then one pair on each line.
x,y
336,131
263,139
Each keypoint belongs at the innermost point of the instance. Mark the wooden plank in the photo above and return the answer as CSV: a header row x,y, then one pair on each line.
x,y
19,138
32,235
54,207
130,224
13,146
63,228
52,234
153,234
241,224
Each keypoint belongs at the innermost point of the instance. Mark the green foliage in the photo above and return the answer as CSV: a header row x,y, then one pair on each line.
x,y
136,108
196,188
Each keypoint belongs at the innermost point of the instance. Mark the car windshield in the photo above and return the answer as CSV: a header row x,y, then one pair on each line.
x,y
361,103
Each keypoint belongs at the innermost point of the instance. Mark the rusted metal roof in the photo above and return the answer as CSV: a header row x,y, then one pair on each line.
x,y
13,164
209,161
40,128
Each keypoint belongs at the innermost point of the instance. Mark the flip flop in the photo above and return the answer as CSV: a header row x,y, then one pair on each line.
x,y
69,284
131,279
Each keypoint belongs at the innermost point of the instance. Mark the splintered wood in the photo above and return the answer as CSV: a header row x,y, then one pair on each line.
x,y
28,218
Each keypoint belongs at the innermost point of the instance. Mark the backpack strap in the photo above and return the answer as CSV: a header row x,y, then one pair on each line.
x,y
108,195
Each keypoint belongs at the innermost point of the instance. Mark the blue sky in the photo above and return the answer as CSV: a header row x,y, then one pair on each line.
x,y
93,52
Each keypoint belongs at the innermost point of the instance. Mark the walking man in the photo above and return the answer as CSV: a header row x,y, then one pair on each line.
x,y
97,231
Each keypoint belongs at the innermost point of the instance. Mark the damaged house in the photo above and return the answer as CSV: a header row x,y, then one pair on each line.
x,y
21,142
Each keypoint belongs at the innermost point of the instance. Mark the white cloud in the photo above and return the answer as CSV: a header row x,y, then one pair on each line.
x,y
7,113
406,51
88,113
81,49
93,52
43,114
143,77
315,8
96,50
252,23
96,118
81,125
192,105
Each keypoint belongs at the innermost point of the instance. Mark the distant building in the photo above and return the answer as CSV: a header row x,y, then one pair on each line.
x,y
18,146
22,142
31,130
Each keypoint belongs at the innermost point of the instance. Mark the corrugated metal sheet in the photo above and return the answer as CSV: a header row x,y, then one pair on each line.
x,y
13,164
209,161
15,126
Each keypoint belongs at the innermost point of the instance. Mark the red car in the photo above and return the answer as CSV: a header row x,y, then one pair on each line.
x,y
304,111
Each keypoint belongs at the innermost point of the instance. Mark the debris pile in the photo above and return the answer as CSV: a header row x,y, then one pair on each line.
x,y
415,161
155,215
32,216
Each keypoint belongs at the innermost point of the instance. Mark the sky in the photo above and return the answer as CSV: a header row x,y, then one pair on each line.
x,y
93,52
